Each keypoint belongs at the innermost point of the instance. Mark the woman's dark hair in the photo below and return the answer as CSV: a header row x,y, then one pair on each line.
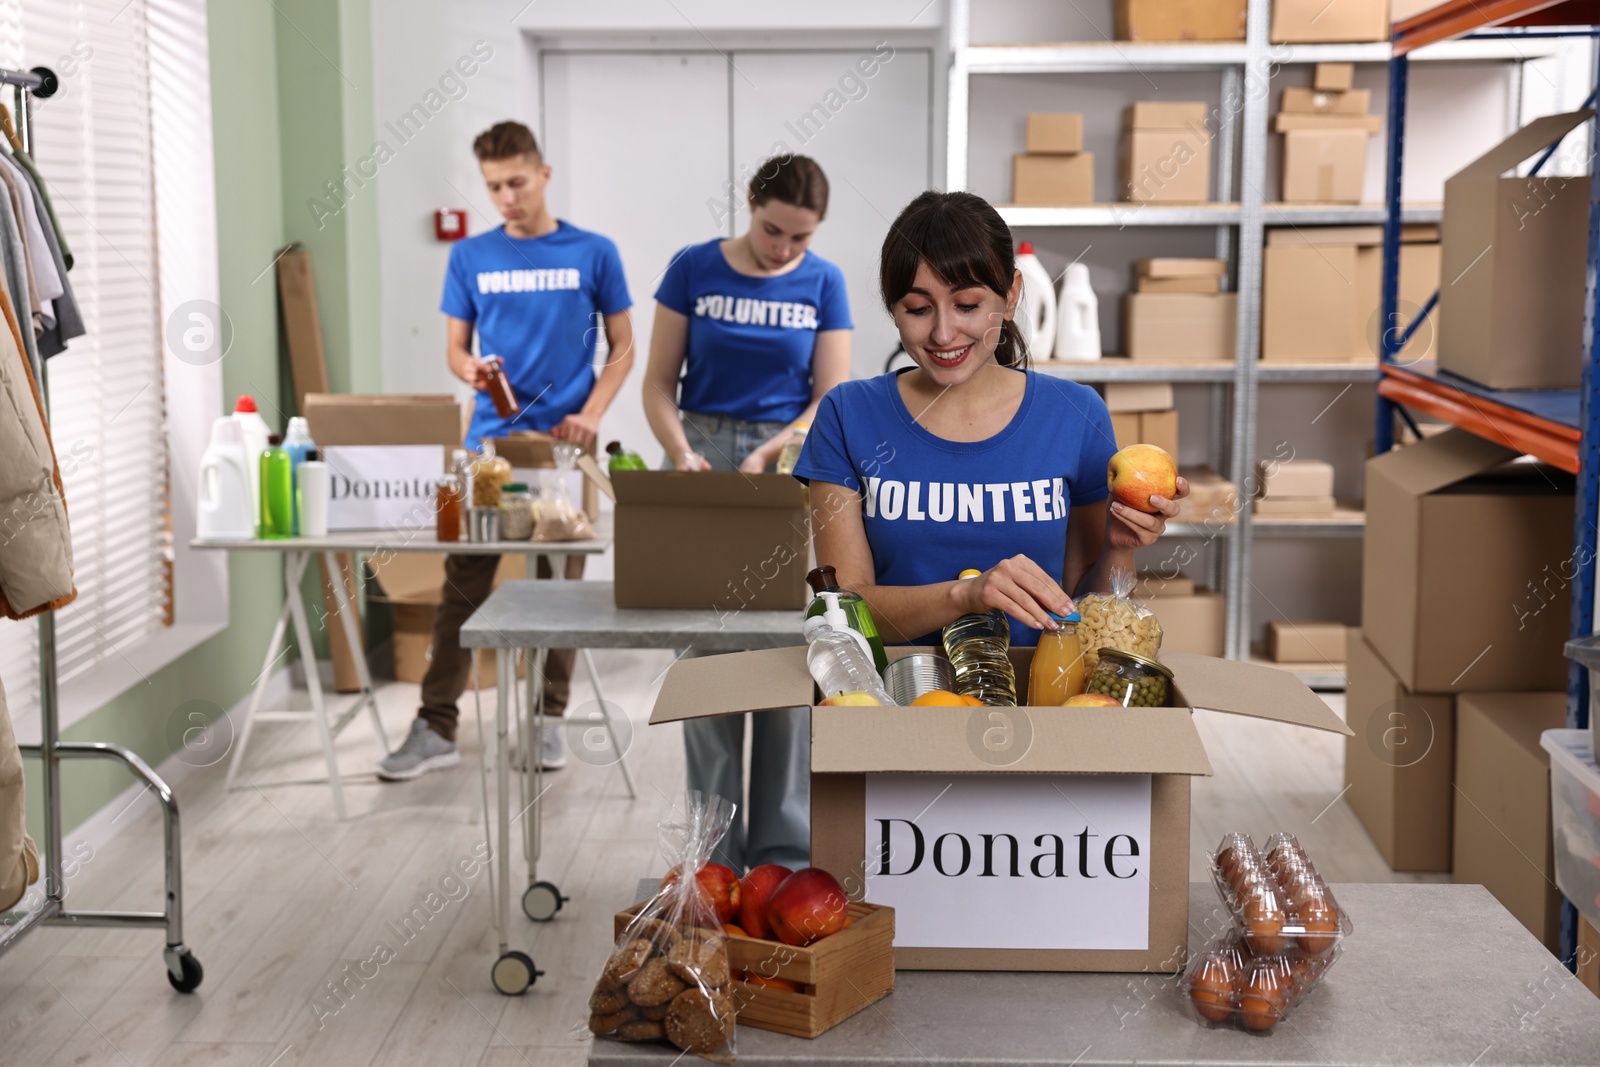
x,y
794,180
966,242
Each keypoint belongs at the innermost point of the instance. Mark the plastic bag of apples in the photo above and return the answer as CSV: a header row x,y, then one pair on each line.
x,y
668,978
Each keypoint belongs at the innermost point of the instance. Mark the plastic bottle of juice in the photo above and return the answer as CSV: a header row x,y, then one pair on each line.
x,y
277,491
978,647
789,455
1057,671
824,579
838,657
623,459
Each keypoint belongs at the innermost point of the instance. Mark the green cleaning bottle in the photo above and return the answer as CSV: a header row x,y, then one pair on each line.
x,y
624,460
277,491
824,579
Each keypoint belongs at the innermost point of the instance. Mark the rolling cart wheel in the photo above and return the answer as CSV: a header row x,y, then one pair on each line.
x,y
189,967
541,901
513,973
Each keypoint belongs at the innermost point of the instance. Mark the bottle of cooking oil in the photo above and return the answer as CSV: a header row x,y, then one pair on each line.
x,y
789,455
978,646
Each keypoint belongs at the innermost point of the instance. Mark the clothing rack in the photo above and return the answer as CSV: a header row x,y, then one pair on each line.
x,y
183,969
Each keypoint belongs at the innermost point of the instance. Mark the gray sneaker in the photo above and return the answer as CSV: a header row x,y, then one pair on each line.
x,y
552,751
422,752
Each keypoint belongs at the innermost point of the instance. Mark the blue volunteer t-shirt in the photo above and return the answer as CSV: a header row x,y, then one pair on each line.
x,y
751,339
532,301
933,508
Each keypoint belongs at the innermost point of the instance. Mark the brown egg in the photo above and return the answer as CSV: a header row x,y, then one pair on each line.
x,y
1227,860
1320,921
1211,988
1263,922
1263,998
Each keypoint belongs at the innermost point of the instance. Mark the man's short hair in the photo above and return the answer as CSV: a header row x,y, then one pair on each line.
x,y
505,140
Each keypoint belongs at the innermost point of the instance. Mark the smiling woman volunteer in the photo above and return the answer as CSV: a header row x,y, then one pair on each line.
x,y
969,459
758,327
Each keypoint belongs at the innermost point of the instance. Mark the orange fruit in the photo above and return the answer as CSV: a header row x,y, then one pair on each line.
x,y
972,702
734,930
940,698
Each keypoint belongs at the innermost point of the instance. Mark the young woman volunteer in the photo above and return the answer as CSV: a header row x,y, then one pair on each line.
x,y
967,460
758,327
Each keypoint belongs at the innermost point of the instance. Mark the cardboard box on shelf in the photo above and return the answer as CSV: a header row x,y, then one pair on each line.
x,y
1179,20
1166,153
1289,121
1138,396
1196,284
1461,589
1324,166
1051,180
1294,478
1514,249
1399,760
1156,584
1158,428
1193,623
1176,326
1502,834
1212,498
720,540
1401,10
1323,102
1125,428
411,583
1333,77
1315,21
1125,779
385,454
1296,507
1306,642
1055,132
1172,267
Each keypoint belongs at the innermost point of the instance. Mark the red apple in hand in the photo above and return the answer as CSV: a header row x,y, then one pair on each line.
x,y
755,892
1138,472
808,905
719,887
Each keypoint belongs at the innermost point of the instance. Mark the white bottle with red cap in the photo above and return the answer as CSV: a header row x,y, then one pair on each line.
x,y
256,431
1036,316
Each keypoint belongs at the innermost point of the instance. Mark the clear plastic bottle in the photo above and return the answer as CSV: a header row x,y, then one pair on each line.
x,y
825,579
838,658
978,646
789,455
277,491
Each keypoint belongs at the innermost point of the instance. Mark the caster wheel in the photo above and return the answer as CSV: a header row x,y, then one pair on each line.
x,y
541,901
183,970
513,973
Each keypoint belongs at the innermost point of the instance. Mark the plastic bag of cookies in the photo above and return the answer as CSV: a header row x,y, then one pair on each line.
x,y
1116,621
668,979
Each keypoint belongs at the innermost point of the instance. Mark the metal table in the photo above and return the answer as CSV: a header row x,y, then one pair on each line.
x,y
583,615
1433,974
297,554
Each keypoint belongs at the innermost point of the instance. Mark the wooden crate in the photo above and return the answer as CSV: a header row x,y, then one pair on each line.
x,y
838,975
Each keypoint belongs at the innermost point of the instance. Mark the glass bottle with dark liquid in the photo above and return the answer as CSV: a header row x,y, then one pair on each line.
x,y
498,386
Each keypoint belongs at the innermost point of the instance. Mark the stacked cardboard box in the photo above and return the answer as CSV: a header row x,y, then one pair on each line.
x,y
1192,620
1143,412
1312,21
1321,292
1178,311
1166,153
1454,523
1325,131
412,584
1055,169
1212,499
1180,20
1297,487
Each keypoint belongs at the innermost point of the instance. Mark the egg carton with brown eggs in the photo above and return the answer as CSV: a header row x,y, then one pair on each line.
x,y
1277,899
1228,986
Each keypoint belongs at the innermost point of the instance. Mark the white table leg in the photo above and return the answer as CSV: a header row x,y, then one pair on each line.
x,y
505,678
533,768
358,653
605,715
274,650
319,711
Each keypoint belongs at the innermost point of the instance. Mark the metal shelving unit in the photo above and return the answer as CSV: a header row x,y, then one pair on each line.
x,y
1559,426
1239,218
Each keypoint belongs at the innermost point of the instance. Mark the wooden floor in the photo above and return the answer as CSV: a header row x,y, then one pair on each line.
x,y
283,901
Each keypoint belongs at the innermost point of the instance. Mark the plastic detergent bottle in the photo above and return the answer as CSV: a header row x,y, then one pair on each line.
x,y
623,459
1037,316
277,492
858,615
838,658
298,443
255,442
1078,324
223,511
978,647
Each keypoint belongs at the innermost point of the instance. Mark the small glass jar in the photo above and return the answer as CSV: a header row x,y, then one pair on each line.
x,y
448,509
1130,679
516,512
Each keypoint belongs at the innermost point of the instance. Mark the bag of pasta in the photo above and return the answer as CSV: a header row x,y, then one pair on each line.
x,y
668,977
491,473
555,516
1116,621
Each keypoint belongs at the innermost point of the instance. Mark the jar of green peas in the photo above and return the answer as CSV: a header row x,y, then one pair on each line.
x,y
1132,680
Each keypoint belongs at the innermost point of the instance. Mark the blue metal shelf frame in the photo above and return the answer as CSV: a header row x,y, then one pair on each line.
x,y
1588,486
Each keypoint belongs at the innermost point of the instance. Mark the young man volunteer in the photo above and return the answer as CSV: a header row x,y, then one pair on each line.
x,y
530,290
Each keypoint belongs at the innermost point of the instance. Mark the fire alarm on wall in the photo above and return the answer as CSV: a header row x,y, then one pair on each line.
x,y
449,224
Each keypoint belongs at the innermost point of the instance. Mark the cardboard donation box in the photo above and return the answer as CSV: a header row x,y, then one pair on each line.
x,y
716,540
1512,315
1313,21
1166,153
1019,839
529,450
1466,566
411,583
1179,20
1502,804
1398,761
385,454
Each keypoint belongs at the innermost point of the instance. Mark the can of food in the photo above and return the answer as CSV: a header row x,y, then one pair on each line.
x,y
909,677
1132,680
483,524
